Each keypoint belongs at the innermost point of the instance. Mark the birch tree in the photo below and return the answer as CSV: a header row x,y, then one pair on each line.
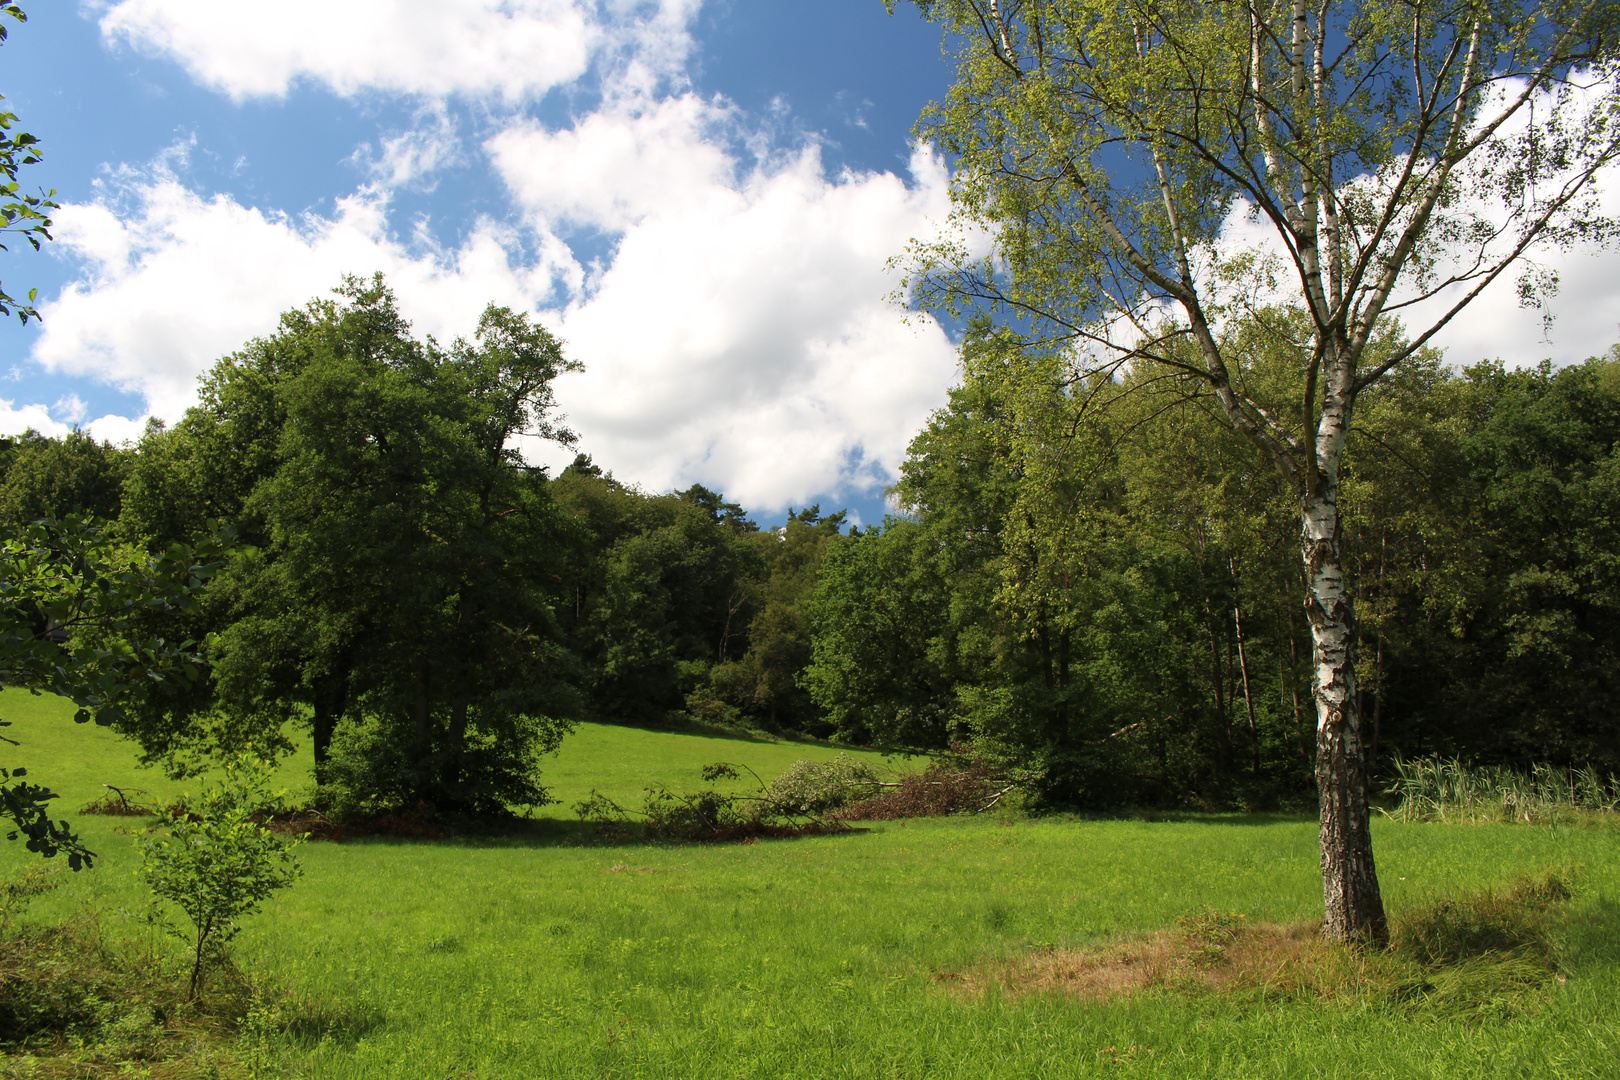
x,y
1386,159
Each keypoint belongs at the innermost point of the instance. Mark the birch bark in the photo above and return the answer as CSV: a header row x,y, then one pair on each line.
x,y
1353,905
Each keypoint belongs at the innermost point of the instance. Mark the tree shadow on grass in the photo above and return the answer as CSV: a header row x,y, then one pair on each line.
x,y
1203,817
550,832
308,1024
558,833
723,731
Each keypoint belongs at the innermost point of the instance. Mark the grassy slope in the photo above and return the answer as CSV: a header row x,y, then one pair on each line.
x,y
621,762
812,958
76,759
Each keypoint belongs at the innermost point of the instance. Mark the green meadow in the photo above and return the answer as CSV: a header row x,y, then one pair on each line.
x,y
545,954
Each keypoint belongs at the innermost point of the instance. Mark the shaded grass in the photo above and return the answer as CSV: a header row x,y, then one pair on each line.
x,y
77,1002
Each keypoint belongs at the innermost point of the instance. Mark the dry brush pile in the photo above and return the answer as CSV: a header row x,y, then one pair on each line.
x,y
809,798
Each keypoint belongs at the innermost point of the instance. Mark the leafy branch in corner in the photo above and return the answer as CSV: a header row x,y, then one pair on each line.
x,y
74,601
22,214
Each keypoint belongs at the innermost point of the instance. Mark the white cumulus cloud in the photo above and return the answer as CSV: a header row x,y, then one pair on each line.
x,y
739,335
733,316
510,48
173,280
619,164
747,342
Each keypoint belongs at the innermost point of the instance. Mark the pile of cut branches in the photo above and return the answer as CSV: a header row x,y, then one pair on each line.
x,y
942,789
709,814
809,798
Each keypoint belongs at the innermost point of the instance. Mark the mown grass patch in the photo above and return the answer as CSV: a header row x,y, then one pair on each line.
x,y
1491,951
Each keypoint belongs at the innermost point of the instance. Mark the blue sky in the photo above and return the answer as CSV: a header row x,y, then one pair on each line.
x,y
699,196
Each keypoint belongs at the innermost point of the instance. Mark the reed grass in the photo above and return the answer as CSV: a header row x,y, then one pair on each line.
x,y
1438,789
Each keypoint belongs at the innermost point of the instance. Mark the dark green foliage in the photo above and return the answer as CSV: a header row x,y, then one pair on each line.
x,y
682,610
766,682
657,592
1503,590
1106,606
401,565
883,645
42,477
372,768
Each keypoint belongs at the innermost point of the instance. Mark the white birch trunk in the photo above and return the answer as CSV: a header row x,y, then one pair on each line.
x,y
1354,910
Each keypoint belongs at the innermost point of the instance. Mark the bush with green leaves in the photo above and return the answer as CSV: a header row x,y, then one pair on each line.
x,y
814,788
215,857
378,765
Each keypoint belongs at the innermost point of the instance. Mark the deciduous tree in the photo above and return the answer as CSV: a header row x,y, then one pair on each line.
x,y
1391,153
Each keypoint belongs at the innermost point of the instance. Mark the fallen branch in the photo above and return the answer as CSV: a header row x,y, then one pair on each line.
x,y
995,798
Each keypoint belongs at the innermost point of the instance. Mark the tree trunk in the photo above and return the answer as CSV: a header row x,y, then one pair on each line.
x,y
455,746
1248,698
1354,910
330,699
421,709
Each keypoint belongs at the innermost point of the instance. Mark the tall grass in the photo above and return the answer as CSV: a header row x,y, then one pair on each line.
x,y
1434,789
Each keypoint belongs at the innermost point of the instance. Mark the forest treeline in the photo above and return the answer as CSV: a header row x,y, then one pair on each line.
x,y
1093,583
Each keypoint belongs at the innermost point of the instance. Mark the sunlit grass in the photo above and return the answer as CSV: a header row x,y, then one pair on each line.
x,y
521,957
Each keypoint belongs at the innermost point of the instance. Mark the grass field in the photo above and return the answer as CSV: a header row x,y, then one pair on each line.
x,y
536,957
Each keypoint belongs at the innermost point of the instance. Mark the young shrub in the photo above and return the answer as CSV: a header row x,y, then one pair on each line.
x,y
216,858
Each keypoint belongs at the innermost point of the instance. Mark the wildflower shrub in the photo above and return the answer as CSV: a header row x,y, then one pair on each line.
x,y
216,858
